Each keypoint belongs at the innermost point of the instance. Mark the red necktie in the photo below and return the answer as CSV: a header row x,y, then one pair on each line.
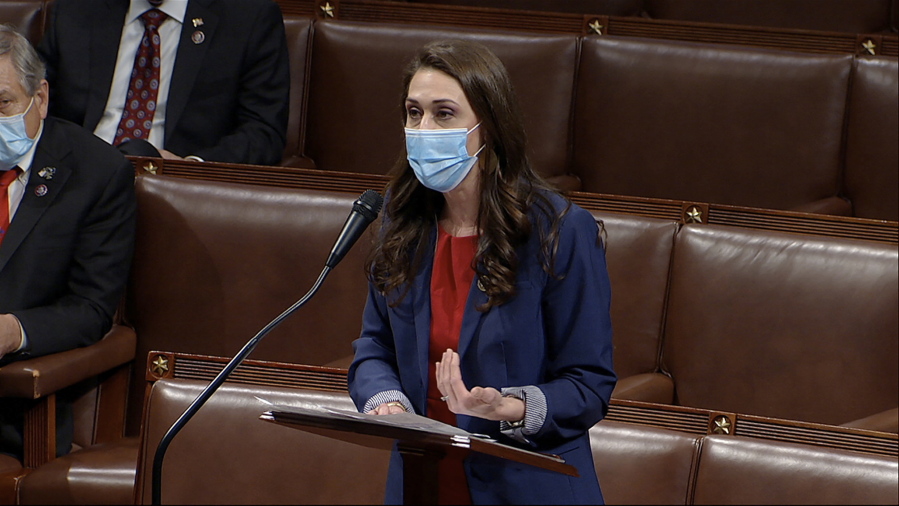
x,y
6,179
140,103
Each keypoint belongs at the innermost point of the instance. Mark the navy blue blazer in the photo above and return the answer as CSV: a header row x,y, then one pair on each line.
x,y
556,334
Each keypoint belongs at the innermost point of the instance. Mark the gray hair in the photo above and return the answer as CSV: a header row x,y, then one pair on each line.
x,y
29,66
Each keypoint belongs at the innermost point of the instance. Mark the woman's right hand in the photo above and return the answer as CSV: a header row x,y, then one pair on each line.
x,y
388,408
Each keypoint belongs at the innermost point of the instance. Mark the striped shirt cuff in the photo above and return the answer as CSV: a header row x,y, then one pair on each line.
x,y
534,412
388,396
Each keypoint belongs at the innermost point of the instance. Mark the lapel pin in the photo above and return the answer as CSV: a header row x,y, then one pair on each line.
x,y
198,37
41,190
197,22
47,173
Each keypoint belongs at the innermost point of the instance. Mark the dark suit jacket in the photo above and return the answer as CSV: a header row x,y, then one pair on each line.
x,y
67,252
555,334
228,99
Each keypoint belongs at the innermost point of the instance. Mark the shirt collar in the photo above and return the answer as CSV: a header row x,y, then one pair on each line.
x,y
175,9
25,161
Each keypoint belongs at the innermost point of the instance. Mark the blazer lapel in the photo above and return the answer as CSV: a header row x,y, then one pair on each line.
x,y
40,192
104,47
190,56
420,294
471,320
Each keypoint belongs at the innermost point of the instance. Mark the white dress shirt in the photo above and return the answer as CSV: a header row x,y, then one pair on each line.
x,y
132,33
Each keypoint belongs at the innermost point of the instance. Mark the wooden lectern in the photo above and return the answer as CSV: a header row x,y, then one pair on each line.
x,y
422,442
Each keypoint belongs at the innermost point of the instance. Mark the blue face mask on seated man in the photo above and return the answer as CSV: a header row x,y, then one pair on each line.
x,y
440,157
14,140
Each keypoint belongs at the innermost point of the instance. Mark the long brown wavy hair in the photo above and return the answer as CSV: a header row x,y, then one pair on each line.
x,y
509,186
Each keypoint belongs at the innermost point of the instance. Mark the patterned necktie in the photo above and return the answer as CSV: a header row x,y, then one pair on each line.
x,y
140,103
6,179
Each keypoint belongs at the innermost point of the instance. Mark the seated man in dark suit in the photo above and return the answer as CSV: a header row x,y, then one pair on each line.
x,y
219,91
67,229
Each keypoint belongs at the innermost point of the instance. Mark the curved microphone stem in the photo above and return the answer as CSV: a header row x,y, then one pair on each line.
x,y
216,383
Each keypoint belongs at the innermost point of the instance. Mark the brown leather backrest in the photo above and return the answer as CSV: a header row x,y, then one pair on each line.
x,y
298,30
782,325
709,122
636,464
872,151
638,256
854,16
226,455
741,470
605,7
354,112
27,16
216,262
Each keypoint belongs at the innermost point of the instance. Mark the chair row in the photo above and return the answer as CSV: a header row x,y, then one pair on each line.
x,y
630,116
760,322
866,16
227,455
651,117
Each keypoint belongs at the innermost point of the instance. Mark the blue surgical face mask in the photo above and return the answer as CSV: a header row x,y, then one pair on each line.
x,y
440,157
14,140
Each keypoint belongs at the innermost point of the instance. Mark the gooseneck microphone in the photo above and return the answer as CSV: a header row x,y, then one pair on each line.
x,y
365,210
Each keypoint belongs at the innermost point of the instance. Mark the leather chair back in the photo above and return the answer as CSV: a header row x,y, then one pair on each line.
x,y
856,16
741,470
872,153
709,122
216,262
298,30
27,16
638,256
636,464
355,120
781,325
226,455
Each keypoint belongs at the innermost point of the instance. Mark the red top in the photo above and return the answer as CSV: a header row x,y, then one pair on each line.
x,y
450,284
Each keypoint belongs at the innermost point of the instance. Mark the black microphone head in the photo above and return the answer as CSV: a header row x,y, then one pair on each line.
x,y
369,204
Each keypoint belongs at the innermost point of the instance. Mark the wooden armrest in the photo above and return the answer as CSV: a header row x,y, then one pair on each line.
x,y
647,387
37,377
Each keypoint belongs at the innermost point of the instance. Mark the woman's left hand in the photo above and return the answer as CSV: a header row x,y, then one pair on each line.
x,y
481,402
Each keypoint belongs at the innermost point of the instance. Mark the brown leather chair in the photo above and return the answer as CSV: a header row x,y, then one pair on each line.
x,y
855,16
93,378
298,30
782,325
741,470
226,455
711,123
636,464
214,263
26,15
603,7
354,119
638,256
871,177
